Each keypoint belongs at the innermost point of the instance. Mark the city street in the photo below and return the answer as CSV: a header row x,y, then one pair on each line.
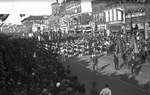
x,y
121,82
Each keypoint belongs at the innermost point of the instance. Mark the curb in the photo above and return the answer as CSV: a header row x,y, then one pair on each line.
x,y
115,77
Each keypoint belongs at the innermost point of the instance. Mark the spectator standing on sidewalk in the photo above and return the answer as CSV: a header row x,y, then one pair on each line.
x,y
94,89
62,54
124,57
106,90
116,61
133,64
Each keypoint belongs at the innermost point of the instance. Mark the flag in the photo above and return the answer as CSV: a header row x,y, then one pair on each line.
x,y
135,50
22,15
133,45
132,42
3,17
65,20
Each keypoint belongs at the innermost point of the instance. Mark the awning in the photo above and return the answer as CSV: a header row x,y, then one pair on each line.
x,y
88,31
71,31
139,30
97,31
78,31
115,27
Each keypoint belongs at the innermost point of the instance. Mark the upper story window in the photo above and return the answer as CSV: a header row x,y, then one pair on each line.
x,y
97,17
101,16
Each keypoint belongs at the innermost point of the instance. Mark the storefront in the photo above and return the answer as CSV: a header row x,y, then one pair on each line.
x,y
63,23
147,24
135,21
99,24
114,20
98,17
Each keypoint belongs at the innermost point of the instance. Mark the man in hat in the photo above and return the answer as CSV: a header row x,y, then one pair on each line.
x,y
62,54
94,59
116,60
133,64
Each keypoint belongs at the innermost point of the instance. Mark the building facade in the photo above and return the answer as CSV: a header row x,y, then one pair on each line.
x,y
79,14
107,16
73,11
98,16
36,22
147,24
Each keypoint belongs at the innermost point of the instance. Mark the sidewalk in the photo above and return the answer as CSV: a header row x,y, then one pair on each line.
x,y
144,73
106,67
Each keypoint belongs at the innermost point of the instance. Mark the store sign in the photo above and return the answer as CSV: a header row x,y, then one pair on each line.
x,y
101,27
115,28
135,15
115,22
114,15
140,25
146,30
92,24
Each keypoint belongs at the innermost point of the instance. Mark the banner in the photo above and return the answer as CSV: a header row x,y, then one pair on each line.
x,y
133,45
148,10
132,42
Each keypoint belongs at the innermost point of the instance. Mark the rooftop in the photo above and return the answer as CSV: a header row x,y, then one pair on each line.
x,y
42,17
55,3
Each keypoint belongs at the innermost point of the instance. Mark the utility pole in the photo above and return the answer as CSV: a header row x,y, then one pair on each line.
x,y
125,23
131,24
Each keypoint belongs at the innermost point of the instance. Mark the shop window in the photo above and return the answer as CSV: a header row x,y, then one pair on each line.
x,y
101,16
71,22
97,17
73,10
108,15
116,15
94,17
111,15
77,9
68,12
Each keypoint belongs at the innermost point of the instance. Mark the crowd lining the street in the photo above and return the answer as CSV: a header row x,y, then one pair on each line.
x,y
30,67
133,53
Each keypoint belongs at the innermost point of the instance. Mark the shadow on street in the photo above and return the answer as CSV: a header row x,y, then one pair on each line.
x,y
103,67
126,78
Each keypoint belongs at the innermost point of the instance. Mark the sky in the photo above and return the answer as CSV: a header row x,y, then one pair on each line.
x,y
27,7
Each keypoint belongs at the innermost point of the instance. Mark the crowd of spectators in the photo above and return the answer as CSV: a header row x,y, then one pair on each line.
x,y
30,67
134,51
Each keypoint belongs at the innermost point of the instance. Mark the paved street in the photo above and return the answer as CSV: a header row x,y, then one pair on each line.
x,y
121,82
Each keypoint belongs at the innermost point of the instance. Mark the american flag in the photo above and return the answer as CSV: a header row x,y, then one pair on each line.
x,y
65,20
22,15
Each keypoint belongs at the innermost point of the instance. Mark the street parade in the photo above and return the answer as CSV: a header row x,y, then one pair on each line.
x,y
104,50
32,66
